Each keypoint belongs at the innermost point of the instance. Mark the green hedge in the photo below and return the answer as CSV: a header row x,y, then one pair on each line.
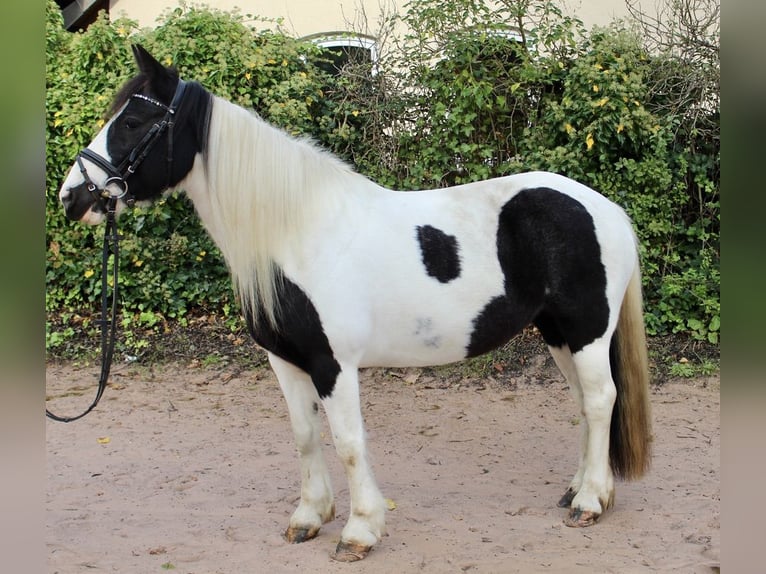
x,y
169,266
447,104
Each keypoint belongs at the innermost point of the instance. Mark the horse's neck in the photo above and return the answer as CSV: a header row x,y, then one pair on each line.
x,y
258,187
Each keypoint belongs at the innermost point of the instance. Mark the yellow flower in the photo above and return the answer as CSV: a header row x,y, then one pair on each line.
x,y
99,55
595,88
620,127
602,101
248,75
89,273
355,113
569,128
589,141
598,66
168,60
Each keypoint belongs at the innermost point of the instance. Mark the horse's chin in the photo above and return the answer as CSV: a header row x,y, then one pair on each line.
x,y
92,217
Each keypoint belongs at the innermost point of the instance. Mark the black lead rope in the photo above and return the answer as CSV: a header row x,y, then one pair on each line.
x,y
107,322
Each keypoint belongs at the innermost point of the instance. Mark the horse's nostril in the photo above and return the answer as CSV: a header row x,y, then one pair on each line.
x,y
66,198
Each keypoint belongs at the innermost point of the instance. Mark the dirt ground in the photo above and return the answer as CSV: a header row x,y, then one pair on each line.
x,y
192,468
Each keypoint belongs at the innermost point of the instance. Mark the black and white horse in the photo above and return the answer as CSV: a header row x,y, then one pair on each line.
x,y
335,272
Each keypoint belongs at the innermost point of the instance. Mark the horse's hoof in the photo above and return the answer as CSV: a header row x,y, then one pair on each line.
x,y
350,552
579,518
297,535
566,500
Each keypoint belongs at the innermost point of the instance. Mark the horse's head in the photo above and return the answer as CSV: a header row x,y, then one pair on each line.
x,y
146,147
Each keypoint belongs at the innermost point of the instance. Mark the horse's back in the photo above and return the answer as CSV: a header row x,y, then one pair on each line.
x,y
429,277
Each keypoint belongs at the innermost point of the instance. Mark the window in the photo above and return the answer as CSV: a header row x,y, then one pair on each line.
x,y
342,48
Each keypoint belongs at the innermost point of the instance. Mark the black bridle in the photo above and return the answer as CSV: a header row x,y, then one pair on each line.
x,y
118,176
115,188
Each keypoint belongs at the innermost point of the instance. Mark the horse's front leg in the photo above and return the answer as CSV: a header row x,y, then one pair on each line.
x,y
366,522
316,506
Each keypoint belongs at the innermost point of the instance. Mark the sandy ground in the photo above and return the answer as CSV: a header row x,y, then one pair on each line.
x,y
193,469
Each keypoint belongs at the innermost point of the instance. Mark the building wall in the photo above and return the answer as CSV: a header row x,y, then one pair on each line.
x,y
301,17
306,17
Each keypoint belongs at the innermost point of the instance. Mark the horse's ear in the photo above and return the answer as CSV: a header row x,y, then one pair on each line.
x,y
161,79
146,62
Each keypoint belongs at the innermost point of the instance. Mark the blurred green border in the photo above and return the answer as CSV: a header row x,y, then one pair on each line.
x,y
22,296
743,284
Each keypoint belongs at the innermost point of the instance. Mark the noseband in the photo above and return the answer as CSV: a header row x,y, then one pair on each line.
x,y
116,185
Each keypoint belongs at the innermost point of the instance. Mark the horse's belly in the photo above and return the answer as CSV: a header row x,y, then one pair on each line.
x,y
413,352
419,335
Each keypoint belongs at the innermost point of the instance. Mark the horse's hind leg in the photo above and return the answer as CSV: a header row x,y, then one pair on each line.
x,y
596,490
366,522
564,361
316,506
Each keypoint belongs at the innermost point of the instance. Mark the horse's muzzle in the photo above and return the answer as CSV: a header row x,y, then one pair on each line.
x,y
77,201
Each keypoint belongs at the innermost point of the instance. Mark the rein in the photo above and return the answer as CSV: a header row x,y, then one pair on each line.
x,y
116,187
108,323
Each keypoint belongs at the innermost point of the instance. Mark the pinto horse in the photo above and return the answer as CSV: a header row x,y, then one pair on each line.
x,y
334,272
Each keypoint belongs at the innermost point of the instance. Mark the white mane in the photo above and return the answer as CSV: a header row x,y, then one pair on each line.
x,y
262,187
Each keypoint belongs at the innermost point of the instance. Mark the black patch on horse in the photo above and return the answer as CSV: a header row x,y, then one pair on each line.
x,y
299,337
554,277
439,252
495,325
